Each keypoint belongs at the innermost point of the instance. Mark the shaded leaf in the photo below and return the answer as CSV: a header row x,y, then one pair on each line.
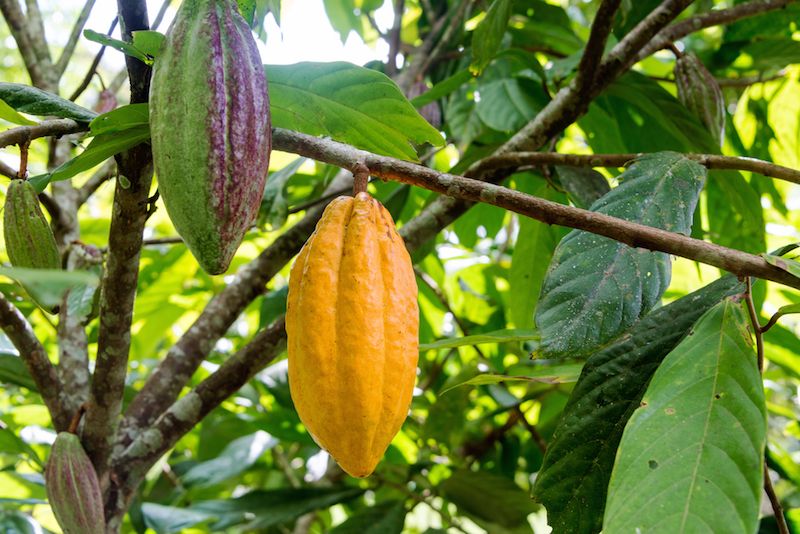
x,y
497,336
10,443
13,371
786,264
558,374
697,440
261,509
274,207
35,101
596,287
442,89
48,286
507,104
387,517
166,519
584,186
12,522
488,35
489,497
573,480
234,459
352,104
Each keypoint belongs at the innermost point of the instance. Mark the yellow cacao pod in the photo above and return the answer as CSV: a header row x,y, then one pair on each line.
x,y
352,325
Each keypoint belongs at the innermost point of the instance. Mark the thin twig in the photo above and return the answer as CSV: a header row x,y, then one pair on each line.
x,y
100,176
22,173
160,15
7,171
87,79
751,310
321,200
72,41
710,161
51,206
775,503
394,38
708,19
52,127
460,187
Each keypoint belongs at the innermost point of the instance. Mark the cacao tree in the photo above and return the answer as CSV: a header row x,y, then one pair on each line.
x,y
536,262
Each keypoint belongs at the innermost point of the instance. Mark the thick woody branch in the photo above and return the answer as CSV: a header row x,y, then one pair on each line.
x,y
132,464
72,41
120,277
460,187
33,354
12,13
593,53
711,18
710,161
47,128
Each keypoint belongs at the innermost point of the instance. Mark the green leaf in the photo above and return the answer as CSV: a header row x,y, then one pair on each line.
x,y
596,287
12,522
352,104
126,48
387,517
584,186
262,509
48,286
10,443
100,149
236,458
8,113
549,376
148,42
274,208
489,497
442,89
341,15
13,371
507,335
35,101
166,519
533,251
573,480
488,35
507,104
120,119
696,443
737,218
630,13
790,266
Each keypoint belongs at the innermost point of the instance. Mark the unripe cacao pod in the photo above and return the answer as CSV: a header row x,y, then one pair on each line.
x,y
210,129
73,488
352,325
699,91
29,240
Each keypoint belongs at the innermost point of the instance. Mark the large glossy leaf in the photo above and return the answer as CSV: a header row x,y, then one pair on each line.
x,y
236,458
507,104
167,519
35,101
692,453
352,104
507,335
574,476
387,517
48,286
13,371
489,498
596,287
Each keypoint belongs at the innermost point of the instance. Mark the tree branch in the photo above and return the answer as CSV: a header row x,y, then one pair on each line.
x,y
119,284
18,25
72,42
463,188
132,463
710,161
593,53
394,38
87,79
711,18
100,176
46,128
33,354
7,171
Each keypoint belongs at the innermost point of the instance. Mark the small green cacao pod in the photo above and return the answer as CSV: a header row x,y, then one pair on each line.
x,y
210,126
73,488
699,91
29,240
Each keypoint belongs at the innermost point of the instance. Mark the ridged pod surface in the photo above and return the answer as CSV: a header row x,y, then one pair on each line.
x,y
210,126
29,240
352,324
699,91
73,488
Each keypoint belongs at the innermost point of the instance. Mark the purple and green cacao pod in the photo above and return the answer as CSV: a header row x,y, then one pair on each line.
x,y
29,240
699,91
73,488
210,127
